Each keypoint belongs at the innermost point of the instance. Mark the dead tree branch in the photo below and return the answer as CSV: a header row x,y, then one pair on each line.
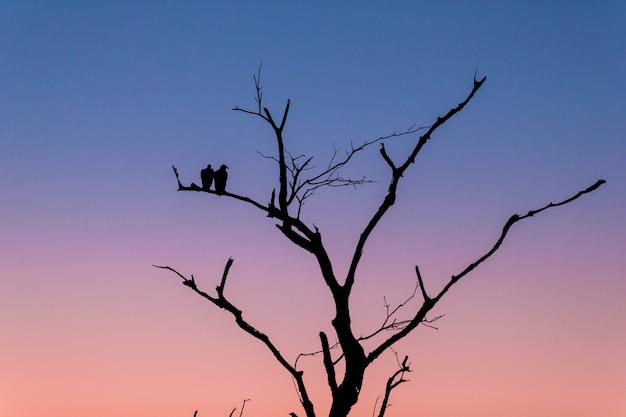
x,y
390,323
222,302
243,404
293,187
429,303
396,175
394,380
328,364
512,220
298,180
302,235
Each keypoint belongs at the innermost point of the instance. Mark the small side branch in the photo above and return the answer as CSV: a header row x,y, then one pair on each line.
x,y
180,186
220,288
189,282
259,88
259,96
420,283
391,323
328,364
282,123
243,404
386,157
394,380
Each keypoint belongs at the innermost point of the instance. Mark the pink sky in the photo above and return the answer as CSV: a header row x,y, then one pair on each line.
x,y
99,101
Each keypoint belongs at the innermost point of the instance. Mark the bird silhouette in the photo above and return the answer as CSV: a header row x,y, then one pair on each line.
x,y
207,175
220,177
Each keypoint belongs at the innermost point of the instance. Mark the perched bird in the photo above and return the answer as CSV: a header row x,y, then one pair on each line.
x,y
221,176
206,175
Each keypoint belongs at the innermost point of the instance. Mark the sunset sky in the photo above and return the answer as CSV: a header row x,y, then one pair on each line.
x,y
99,99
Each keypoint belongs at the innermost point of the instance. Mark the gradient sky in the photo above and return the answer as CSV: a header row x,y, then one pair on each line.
x,y
98,100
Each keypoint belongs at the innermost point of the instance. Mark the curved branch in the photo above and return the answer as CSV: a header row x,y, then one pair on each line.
x,y
429,303
222,302
304,239
293,228
196,188
512,220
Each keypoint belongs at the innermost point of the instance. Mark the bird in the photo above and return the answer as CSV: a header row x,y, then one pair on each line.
x,y
206,175
221,176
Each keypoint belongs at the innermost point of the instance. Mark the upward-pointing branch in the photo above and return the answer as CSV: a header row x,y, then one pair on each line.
x,y
512,220
278,131
396,174
429,303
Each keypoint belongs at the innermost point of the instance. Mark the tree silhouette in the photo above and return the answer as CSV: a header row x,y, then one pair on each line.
x,y
345,361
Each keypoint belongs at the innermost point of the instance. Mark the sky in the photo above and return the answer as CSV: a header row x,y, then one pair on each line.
x,y
99,99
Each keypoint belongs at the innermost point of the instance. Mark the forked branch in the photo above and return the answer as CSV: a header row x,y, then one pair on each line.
x,y
304,237
222,302
394,380
396,175
299,179
293,187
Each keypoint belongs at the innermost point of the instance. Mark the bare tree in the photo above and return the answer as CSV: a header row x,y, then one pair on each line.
x,y
346,360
